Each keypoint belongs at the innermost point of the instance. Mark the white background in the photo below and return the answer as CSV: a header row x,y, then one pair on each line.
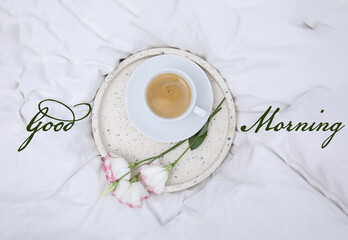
x,y
288,54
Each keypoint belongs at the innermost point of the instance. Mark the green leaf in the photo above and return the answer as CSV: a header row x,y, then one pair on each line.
x,y
109,188
195,143
196,140
204,129
192,139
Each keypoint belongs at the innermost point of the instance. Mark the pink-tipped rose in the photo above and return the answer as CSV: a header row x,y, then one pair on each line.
x,y
130,193
114,168
154,177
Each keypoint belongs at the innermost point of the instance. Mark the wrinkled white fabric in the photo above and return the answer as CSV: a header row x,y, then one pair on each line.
x,y
288,54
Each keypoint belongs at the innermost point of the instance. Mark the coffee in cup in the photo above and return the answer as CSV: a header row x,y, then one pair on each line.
x,y
168,95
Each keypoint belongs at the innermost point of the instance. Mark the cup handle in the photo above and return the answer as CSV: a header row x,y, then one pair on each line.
x,y
200,112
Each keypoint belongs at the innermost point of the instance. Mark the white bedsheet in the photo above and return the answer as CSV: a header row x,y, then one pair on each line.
x,y
288,54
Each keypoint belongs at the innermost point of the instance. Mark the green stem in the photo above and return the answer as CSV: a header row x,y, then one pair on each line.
x,y
113,185
136,167
133,165
135,178
177,160
217,109
170,149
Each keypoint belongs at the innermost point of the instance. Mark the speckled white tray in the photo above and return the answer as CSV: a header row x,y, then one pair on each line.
x,y
114,132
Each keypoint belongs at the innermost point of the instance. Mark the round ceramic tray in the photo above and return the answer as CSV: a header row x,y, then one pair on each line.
x,y
113,131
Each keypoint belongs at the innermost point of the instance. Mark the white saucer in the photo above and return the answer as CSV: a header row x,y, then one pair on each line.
x,y
149,125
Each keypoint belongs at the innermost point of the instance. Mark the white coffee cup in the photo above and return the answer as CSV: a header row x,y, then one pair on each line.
x,y
191,108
